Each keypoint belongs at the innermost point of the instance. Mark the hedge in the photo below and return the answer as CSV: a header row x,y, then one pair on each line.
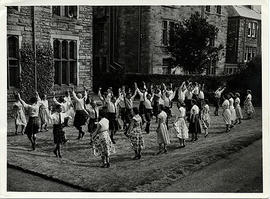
x,y
234,83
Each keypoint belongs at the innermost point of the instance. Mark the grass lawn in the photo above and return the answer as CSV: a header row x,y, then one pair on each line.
x,y
152,173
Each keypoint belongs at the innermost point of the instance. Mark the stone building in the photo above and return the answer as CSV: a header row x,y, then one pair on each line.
x,y
134,39
244,36
69,31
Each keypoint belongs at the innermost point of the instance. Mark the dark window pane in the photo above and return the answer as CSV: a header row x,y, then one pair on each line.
x,y
57,73
56,10
73,11
13,47
73,50
171,33
73,73
207,8
13,76
219,9
56,48
66,11
65,49
64,72
103,64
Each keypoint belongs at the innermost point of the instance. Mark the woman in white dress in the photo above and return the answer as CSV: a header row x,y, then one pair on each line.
x,y
232,109
238,110
205,117
44,114
179,127
162,131
226,113
101,140
19,115
249,109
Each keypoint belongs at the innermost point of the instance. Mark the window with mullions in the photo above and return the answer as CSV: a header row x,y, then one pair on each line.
x,y
13,61
65,11
65,61
207,8
219,9
165,33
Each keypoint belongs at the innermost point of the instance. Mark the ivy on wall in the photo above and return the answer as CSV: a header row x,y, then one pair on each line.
x,y
44,67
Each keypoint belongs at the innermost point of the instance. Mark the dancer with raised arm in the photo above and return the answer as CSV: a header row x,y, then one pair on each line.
x,y
33,123
218,94
81,114
19,115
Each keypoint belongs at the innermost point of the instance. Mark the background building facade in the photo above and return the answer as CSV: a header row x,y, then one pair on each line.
x,y
244,36
69,31
135,38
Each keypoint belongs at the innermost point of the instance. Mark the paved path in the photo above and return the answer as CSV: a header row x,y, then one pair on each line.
x,y
239,172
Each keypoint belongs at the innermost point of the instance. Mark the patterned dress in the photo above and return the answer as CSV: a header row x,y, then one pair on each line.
x,y
205,117
102,144
19,114
135,134
162,131
249,109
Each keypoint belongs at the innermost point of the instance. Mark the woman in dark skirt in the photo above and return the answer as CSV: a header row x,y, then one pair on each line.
x,y
58,119
81,114
32,126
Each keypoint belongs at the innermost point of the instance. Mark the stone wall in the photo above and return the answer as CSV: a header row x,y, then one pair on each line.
x,y
179,13
48,27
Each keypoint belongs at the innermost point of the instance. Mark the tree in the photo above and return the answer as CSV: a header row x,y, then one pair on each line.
x,y
191,45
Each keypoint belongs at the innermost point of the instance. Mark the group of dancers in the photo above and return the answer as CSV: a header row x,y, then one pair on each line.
x,y
102,120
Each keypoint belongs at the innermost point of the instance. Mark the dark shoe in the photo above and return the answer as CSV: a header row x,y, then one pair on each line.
x,y
54,151
33,146
108,165
159,152
165,151
195,139
59,156
103,165
206,135
65,141
139,156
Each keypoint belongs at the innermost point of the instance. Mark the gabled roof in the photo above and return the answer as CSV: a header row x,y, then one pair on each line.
x,y
242,11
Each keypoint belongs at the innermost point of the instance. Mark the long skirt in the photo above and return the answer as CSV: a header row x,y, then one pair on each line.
x,y
180,129
155,108
44,116
58,134
217,102
227,116
205,121
80,118
32,126
113,125
103,145
91,125
128,115
238,111
233,113
141,108
163,134
136,138
249,109
20,118
194,126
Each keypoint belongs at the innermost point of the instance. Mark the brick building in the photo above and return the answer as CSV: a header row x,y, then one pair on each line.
x,y
69,31
244,36
134,39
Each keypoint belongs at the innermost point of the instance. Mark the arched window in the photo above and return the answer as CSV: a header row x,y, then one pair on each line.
x,y
13,61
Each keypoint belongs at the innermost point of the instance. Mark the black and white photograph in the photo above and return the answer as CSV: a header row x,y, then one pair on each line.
x,y
135,99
